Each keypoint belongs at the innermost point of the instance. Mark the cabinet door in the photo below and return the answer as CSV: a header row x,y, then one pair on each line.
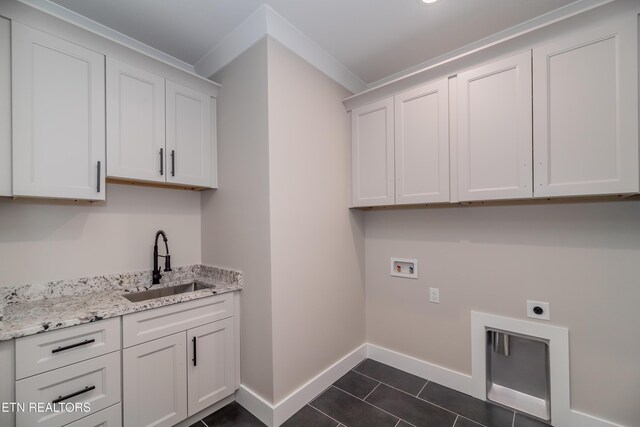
x,y
586,112
135,123
189,136
422,144
372,165
494,130
211,359
155,382
5,107
58,117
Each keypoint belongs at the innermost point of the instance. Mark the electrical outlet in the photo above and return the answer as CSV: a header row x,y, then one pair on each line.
x,y
538,310
434,295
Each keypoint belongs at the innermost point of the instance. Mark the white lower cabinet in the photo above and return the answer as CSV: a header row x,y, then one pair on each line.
x,y
96,381
211,358
167,379
155,382
171,363
110,417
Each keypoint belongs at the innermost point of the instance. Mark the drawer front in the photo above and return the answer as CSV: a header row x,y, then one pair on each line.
x,y
156,323
110,417
52,350
95,381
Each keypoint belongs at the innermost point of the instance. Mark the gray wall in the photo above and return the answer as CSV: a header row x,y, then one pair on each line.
x,y
317,244
581,258
44,240
235,218
280,217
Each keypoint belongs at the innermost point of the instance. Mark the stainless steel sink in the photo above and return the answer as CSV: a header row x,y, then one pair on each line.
x,y
166,291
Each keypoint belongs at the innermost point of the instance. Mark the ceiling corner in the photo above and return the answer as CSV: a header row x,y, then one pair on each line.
x,y
245,35
71,17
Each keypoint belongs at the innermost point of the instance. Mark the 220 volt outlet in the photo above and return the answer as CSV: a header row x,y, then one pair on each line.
x,y
538,310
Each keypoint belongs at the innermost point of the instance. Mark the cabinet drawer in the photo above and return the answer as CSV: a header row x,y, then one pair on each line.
x,y
110,417
51,350
152,324
97,379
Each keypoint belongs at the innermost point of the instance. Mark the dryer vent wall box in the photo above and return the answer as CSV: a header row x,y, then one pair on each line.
x,y
403,267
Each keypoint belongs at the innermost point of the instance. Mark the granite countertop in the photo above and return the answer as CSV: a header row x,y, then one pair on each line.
x,y
56,305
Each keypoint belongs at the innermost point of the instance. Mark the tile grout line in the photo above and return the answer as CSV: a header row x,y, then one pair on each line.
x,y
374,389
326,415
473,421
205,424
422,389
513,423
456,421
397,423
418,397
372,405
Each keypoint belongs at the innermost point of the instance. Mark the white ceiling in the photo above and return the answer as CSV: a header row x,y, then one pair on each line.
x,y
371,38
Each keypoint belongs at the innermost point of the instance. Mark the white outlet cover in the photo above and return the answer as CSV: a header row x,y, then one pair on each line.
x,y
531,305
434,295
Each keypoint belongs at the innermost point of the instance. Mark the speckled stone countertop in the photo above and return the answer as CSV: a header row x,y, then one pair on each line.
x,y
32,309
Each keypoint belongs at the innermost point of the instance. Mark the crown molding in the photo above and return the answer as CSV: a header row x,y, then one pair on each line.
x,y
245,35
564,12
265,21
283,31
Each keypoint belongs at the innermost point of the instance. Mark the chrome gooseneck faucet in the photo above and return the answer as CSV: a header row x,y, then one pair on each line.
x,y
167,258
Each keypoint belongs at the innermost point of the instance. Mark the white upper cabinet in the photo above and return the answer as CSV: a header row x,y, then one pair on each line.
x,y
190,136
5,107
422,144
586,112
58,117
135,123
495,130
372,152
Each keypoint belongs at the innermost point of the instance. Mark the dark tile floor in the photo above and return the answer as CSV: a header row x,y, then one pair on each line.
x,y
377,395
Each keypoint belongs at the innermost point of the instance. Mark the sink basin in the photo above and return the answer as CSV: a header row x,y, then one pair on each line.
x,y
166,291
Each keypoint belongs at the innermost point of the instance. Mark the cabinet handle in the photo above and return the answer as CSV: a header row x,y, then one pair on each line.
x,y
195,352
98,176
162,161
70,346
173,163
77,393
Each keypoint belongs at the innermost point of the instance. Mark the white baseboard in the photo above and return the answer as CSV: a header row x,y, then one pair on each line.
x,y
580,419
438,374
296,400
254,403
275,415
459,381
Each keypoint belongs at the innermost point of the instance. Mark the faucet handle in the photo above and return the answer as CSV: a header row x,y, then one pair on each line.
x,y
167,263
156,277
